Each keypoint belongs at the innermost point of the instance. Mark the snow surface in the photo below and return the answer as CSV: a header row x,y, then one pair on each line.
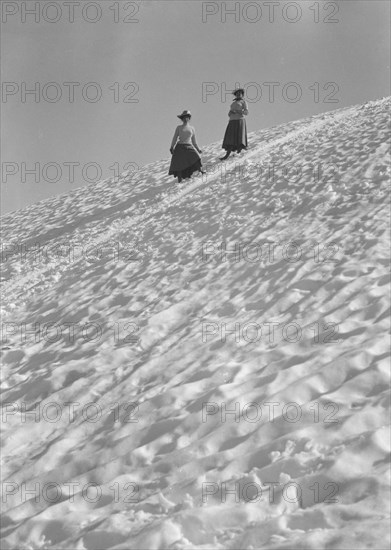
x,y
161,373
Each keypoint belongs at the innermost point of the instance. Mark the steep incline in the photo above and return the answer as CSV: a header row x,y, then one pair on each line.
x,y
155,334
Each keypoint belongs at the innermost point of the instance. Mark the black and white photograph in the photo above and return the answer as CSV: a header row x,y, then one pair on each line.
x,y
195,275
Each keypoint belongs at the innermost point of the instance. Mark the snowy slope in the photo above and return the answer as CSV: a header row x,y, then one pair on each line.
x,y
133,338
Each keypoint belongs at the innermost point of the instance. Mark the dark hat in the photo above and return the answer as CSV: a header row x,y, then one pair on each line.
x,y
185,113
241,90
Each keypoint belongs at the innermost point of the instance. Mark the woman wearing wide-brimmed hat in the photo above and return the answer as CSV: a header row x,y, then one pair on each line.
x,y
184,149
235,138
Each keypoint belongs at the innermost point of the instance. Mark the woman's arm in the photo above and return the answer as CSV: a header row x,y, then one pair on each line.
x,y
232,109
245,108
194,141
174,139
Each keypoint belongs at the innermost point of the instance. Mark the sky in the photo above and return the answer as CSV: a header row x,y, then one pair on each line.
x,y
111,76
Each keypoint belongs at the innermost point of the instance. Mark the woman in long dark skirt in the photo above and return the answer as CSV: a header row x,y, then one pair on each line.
x,y
185,151
235,138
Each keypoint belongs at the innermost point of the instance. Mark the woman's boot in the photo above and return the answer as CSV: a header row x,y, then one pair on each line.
x,y
226,155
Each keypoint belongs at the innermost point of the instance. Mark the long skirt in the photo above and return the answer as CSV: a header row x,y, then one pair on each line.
x,y
185,160
235,138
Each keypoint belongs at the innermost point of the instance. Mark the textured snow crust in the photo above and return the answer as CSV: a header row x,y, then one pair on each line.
x,y
168,466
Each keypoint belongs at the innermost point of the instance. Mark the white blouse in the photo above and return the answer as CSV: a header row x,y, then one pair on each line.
x,y
185,134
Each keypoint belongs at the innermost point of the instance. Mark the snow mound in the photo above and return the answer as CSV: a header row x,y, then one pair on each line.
x,y
203,365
